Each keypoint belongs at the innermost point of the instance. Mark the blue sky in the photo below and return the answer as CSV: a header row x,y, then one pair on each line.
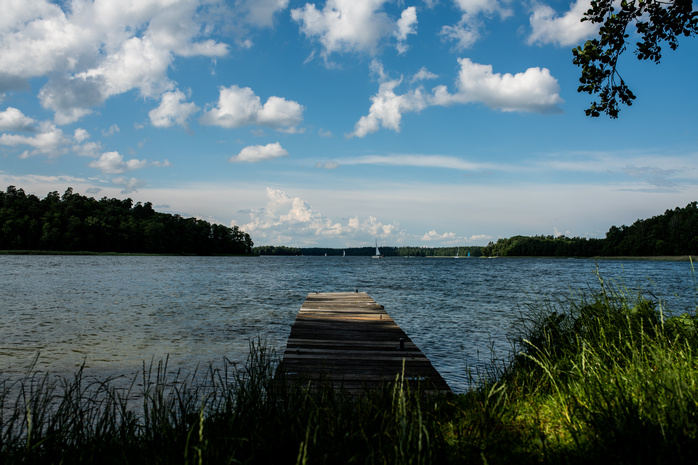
x,y
339,123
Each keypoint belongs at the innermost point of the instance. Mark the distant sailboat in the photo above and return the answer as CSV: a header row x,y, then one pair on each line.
x,y
457,253
344,253
378,252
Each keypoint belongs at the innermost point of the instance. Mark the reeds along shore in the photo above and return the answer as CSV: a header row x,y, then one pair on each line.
x,y
603,377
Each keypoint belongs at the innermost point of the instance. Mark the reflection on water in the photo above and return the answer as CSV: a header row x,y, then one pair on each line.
x,y
114,312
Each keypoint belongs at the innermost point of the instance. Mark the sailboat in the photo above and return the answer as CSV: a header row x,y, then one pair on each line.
x,y
457,253
344,253
378,252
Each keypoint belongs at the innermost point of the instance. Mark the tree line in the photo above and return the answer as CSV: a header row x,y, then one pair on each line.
x,y
387,251
74,222
673,233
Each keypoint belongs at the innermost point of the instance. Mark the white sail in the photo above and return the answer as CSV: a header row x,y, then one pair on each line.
x,y
378,252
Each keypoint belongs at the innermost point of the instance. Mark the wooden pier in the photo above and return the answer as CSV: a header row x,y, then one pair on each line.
x,y
348,340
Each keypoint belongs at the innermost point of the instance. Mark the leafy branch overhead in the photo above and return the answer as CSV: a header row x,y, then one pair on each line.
x,y
655,21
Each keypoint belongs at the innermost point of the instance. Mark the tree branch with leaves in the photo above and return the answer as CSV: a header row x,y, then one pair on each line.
x,y
656,22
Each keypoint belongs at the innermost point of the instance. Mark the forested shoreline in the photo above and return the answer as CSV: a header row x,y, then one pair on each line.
x,y
367,251
76,223
674,233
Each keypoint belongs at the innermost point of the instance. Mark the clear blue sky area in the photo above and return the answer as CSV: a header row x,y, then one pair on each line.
x,y
341,123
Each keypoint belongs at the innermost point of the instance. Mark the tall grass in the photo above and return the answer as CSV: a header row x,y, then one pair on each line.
x,y
225,415
607,377
601,377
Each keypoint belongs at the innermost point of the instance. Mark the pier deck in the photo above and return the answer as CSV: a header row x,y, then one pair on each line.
x,y
350,341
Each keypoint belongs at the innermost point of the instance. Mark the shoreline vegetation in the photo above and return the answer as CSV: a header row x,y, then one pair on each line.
x,y
663,237
662,258
600,377
122,254
76,224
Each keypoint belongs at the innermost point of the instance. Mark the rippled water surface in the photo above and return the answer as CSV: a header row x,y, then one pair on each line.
x,y
114,312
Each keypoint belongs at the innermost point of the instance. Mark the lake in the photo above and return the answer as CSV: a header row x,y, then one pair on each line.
x,y
112,313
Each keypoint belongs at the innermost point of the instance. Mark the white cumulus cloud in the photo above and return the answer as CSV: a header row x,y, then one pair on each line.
x,y
81,135
345,25
43,137
254,153
83,146
240,106
481,238
534,90
565,30
88,149
114,163
47,140
474,7
406,25
285,217
387,109
36,38
424,74
14,120
280,113
468,29
94,50
261,12
464,34
172,110
435,236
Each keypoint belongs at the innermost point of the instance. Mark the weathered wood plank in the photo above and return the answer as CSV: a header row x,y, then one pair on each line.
x,y
348,340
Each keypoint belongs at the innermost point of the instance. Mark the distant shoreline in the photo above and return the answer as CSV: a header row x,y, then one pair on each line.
x,y
123,254
649,258
659,258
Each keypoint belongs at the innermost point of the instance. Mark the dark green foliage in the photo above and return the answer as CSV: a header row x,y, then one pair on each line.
x,y
673,233
276,250
78,223
682,327
544,246
655,20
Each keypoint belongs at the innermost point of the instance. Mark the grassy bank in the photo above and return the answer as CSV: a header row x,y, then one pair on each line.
x,y
601,377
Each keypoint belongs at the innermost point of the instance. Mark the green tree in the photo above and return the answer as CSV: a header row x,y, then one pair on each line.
x,y
656,22
76,223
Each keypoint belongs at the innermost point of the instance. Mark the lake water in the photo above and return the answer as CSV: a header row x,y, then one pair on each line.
x,y
112,313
